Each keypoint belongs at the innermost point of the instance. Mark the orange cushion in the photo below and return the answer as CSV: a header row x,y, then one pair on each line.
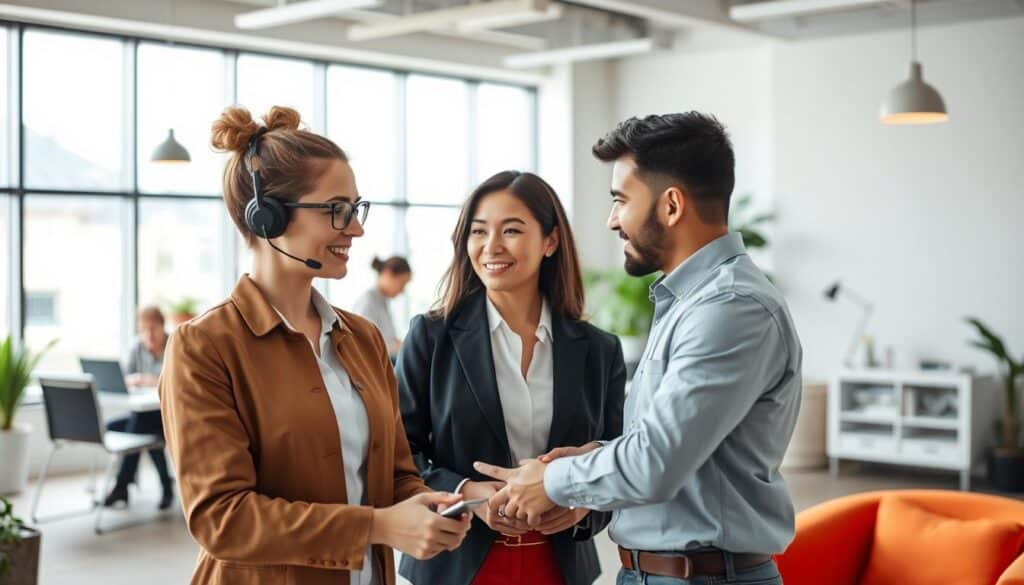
x,y
915,546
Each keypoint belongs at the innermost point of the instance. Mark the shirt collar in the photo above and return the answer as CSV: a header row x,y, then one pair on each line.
x,y
692,271
328,316
495,320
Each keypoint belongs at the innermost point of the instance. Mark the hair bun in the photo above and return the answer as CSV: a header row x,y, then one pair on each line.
x,y
282,117
232,131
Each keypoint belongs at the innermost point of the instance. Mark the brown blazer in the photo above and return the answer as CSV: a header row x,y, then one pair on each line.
x,y
257,447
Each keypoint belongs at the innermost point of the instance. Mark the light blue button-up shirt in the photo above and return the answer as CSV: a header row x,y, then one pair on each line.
x,y
709,416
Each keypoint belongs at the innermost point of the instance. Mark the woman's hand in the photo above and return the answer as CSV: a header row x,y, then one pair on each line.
x,y
414,528
486,489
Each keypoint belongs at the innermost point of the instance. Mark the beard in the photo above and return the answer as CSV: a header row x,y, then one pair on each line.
x,y
648,245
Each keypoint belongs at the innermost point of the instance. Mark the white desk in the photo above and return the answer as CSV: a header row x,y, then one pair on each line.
x,y
143,399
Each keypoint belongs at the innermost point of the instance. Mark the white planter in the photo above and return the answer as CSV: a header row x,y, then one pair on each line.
x,y
14,459
632,348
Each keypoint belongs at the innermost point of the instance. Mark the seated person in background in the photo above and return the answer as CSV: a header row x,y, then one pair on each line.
x,y
392,276
142,368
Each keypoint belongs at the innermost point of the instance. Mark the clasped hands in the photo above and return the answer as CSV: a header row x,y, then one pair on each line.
x,y
517,501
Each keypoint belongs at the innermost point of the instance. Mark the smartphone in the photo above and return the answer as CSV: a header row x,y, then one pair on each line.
x,y
463,507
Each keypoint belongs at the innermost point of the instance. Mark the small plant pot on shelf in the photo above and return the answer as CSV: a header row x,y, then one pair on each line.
x,y
1006,469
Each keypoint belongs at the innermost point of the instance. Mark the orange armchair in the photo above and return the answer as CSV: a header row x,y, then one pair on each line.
x,y
833,540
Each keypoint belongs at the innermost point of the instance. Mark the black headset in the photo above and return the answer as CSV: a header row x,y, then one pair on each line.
x,y
267,217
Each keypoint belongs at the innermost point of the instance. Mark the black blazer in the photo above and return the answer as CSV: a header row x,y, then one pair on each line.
x,y
452,414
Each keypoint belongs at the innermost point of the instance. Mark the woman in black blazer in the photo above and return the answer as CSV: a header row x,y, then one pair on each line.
x,y
502,369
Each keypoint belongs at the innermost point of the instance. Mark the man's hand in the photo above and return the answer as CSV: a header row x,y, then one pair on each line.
x,y
523,496
560,519
559,452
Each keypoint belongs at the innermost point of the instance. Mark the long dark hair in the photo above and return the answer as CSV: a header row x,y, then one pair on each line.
x,y
560,278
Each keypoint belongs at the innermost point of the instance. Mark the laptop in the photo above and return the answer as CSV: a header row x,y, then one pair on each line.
x,y
106,375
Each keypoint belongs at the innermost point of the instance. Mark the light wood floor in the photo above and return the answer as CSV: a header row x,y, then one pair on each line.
x,y
161,552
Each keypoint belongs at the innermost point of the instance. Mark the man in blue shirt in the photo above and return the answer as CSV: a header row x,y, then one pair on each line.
x,y
694,480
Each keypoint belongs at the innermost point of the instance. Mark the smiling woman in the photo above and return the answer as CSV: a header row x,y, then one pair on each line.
x,y
281,410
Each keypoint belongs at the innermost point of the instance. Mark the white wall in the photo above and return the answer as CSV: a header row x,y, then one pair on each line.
x,y
924,221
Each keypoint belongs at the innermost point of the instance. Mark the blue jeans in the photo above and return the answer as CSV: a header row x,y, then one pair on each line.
x,y
764,574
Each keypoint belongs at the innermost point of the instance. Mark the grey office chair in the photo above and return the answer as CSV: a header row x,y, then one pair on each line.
x,y
73,417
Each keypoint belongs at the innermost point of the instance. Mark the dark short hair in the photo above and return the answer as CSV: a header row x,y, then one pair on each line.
x,y
691,148
396,265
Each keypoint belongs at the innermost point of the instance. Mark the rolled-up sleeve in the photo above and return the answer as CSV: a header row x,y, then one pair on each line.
x,y
723,354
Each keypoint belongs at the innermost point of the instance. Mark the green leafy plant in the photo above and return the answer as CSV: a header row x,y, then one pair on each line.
x,y
184,306
11,530
620,303
749,226
1009,428
16,367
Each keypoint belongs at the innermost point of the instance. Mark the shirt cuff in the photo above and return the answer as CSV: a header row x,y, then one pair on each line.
x,y
559,485
458,488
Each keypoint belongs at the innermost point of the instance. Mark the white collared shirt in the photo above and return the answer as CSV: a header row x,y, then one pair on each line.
x,y
527,404
353,423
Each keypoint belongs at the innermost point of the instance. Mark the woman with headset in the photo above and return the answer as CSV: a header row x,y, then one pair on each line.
x,y
281,411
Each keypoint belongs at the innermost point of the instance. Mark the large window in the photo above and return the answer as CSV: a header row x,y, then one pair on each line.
x,y
180,89
74,285
5,266
438,139
264,82
181,251
363,105
504,129
75,105
105,230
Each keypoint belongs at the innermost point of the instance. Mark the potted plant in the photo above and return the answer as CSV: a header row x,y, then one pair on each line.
x,y
748,227
19,549
16,367
1006,461
182,310
621,305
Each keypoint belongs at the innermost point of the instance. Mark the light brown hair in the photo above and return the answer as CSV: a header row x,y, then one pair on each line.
x,y
290,159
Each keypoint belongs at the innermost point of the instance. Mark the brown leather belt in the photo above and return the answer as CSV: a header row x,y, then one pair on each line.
x,y
685,566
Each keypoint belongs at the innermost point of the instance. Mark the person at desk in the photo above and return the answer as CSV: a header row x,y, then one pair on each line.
x,y
392,276
504,368
694,479
281,410
142,366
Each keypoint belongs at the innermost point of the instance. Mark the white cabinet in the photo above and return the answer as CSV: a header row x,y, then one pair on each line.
x,y
926,419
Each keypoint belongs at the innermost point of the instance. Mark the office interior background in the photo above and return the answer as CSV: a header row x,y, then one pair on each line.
x,y
919,225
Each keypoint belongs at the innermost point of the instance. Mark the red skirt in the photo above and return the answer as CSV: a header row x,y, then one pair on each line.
x,y
526,560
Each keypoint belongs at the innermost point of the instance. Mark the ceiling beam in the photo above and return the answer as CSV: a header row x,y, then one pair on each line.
x,y
450,18
772,9
285,14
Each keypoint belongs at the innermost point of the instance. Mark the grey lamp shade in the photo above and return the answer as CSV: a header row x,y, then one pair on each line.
x,y
913,102
170,151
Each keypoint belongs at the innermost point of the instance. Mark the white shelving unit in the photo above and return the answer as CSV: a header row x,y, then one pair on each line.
x,y
941,420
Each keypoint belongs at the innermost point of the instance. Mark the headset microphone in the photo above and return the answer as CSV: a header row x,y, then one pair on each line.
x,y
314,264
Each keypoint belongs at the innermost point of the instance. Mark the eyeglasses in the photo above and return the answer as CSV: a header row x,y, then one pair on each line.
x,y
341,212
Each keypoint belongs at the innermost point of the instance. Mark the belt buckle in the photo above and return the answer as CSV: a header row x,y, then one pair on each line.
x,y
508,542
687,567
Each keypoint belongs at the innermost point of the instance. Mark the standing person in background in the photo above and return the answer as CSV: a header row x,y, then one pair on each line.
x,y
392,276
142,367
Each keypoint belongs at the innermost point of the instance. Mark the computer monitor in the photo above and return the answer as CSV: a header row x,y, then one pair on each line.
x,y
106,375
